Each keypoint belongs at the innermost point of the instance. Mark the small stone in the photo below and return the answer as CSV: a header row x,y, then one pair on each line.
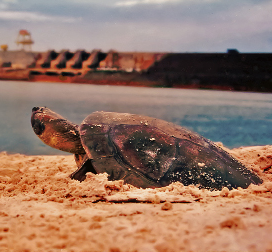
x,y
233,223
167,206
256,208
115,250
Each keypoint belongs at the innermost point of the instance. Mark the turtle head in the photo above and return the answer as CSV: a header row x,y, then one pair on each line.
x,y
56,131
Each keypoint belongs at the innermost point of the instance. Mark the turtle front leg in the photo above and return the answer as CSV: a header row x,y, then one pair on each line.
x,y
80,159
84,165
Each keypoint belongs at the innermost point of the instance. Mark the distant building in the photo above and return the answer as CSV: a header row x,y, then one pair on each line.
x,y
129,61
17,59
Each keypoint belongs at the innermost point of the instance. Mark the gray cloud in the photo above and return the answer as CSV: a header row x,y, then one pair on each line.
x,y
34,17
141,2
172,25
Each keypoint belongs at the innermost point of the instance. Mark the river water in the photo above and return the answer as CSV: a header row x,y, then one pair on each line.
x,y
233,118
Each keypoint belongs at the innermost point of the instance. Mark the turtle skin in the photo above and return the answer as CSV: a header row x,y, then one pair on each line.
x,y
149,152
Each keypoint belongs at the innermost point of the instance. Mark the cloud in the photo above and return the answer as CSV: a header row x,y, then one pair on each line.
x,y
141,2
28,16
137,2
161,25
7,3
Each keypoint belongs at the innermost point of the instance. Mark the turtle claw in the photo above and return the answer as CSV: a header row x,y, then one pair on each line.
x,y
80,173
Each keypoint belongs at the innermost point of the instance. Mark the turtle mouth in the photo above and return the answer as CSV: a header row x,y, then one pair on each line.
x,y
37,126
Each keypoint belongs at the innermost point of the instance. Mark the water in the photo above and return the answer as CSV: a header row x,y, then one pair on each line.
x,y
233,118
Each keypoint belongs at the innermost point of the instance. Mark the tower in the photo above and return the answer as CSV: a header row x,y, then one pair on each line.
x,y
24,40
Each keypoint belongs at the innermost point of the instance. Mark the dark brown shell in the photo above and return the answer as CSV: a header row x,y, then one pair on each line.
x,y
149,152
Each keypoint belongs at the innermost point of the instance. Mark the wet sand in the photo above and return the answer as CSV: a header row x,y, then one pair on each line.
x,y
41,209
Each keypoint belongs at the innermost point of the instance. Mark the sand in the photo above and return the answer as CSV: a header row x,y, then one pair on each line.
x,y
41,209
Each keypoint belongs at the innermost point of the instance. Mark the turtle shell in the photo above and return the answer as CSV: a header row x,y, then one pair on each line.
x,y
149,152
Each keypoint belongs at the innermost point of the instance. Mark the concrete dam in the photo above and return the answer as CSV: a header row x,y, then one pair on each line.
x,y
231,70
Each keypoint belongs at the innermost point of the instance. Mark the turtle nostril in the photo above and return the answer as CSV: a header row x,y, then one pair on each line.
x,y
35,109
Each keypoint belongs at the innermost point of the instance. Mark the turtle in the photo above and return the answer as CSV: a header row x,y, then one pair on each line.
x,y
140,150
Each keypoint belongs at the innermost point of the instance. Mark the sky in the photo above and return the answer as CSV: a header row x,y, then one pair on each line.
x,y
140,25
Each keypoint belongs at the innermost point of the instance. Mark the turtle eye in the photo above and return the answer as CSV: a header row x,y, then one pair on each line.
x,y
35,109
37,126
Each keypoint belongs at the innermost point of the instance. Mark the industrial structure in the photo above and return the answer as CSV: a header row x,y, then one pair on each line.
x,y
24,40
230,70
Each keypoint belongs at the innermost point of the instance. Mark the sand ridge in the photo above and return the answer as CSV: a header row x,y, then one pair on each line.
x,y
42,209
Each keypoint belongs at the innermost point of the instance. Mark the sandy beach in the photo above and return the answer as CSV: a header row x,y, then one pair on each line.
x,y
42,209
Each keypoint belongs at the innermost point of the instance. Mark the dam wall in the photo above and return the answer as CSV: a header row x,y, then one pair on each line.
x,y
225,71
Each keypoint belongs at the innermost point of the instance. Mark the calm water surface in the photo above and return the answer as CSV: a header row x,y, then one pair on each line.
x,y
233,118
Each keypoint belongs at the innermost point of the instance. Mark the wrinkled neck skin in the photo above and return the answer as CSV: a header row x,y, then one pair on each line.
x,y
56,131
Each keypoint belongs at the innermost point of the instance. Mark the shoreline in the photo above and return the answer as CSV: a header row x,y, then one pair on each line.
x,y
41,209
25,75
